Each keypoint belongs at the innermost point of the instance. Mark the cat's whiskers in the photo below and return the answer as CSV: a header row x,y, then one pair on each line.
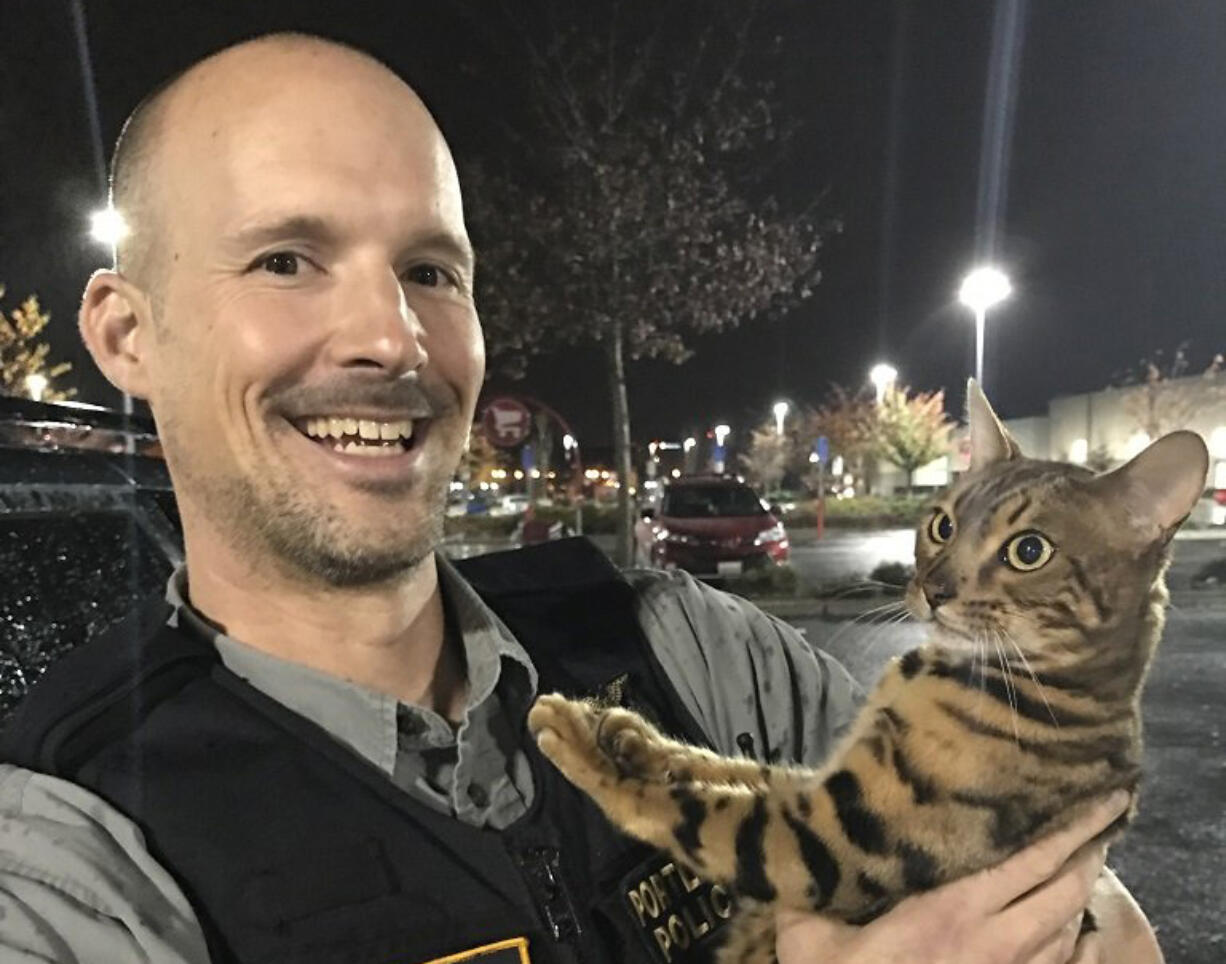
x,y
870,615
880,629
1008,679
1005,634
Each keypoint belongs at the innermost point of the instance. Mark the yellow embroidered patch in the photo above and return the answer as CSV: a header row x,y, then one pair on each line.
x,y
513,951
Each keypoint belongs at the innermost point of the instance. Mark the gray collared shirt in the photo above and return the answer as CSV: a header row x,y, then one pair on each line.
x,y
475,771
78,884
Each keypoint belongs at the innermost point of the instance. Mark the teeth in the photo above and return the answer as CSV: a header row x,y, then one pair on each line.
x,y
370,451
369,429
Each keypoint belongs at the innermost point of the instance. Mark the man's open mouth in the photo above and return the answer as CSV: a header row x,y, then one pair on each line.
x,y
374,438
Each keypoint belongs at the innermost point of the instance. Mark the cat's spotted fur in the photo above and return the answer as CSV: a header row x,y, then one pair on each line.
x,y
1022,708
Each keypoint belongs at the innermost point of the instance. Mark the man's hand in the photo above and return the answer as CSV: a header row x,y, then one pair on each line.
x,y
1027,910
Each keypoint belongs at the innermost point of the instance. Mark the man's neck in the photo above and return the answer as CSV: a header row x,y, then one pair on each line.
x,y
388,638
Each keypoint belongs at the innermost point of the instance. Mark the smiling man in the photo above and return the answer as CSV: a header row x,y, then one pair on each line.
x,y
313,749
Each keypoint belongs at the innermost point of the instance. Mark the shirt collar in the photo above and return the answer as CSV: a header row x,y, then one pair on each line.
x,y
362,718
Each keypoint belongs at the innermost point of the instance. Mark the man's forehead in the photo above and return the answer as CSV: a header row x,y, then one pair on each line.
x,y
311,141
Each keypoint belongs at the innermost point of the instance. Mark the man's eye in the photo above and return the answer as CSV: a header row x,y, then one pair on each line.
x,y
427,275
280,262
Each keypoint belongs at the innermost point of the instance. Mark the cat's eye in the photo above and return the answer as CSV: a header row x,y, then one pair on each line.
x,y
1027,552
941,528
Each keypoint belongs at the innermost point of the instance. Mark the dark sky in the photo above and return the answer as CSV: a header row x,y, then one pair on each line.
x,y
1114,230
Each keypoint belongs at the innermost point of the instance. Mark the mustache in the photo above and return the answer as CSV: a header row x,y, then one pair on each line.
x,y
407,396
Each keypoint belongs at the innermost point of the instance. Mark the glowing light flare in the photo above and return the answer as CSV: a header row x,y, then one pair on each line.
x,y
108,227
983,288
36,385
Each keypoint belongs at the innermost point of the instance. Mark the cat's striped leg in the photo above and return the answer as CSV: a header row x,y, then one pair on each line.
x,y
639,750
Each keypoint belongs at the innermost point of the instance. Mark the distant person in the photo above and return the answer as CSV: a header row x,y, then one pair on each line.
x,y
313,749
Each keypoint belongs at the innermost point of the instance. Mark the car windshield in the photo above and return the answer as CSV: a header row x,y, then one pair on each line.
x,y
711,502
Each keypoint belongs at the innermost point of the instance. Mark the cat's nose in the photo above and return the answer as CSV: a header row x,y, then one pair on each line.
x,y
938,593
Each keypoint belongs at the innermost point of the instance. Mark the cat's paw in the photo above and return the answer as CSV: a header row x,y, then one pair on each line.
x,y
633,746
553,716
565,730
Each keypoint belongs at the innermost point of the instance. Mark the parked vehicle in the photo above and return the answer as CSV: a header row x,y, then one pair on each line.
x,y
711,526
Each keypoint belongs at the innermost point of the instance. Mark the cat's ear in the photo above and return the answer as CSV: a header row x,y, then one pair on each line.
x,y
989,440
1160,486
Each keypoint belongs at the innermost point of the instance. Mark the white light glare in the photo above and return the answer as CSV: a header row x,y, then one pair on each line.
x,y
107,226
721,433
36,385
983,288
882,375
1079,451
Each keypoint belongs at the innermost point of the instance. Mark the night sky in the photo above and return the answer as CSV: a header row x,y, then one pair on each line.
x,y
1113,224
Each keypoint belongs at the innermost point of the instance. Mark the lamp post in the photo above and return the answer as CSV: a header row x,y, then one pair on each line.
x,y
781,412
721,435
883,377
981,289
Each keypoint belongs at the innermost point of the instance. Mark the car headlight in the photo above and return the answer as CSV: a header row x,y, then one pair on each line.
x,y
775,533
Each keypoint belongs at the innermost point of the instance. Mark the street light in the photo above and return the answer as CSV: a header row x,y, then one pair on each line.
x,y
107,227
981,289
721,434
36,385
781,412
883,377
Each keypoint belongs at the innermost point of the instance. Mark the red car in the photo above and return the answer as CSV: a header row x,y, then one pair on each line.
x,y
711,527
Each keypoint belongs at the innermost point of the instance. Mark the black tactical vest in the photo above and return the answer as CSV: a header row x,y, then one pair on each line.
x,y
292,849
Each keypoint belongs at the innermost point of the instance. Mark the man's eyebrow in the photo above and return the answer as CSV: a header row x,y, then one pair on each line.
x,y
448,243
305,226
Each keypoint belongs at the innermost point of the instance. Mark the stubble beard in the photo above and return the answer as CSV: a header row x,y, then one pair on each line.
x,y
309,539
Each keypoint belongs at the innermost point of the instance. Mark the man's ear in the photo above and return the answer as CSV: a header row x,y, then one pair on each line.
x,y
989,440
115,322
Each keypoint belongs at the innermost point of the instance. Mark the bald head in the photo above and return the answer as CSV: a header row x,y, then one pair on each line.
x,y
151,160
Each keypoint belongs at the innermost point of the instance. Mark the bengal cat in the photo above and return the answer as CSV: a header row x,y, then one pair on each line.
x,y
1043,584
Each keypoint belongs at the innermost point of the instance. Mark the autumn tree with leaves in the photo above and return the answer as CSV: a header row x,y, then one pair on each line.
x,y
25,371
642,220
768,456
848,421
911,429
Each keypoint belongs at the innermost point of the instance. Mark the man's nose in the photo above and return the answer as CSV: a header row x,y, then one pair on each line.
x,y
378,327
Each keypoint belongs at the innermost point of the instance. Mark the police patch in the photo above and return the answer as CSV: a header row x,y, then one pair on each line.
x,y
676,913
513,951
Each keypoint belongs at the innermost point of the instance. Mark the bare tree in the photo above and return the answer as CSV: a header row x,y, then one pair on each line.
x,y
1161,395
642,220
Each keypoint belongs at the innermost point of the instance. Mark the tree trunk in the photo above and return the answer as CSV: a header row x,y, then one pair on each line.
x,y
614,354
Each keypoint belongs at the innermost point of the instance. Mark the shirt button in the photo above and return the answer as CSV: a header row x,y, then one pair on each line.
x,y
477,794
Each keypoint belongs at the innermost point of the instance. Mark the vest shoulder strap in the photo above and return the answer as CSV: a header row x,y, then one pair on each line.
x,y
102,689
